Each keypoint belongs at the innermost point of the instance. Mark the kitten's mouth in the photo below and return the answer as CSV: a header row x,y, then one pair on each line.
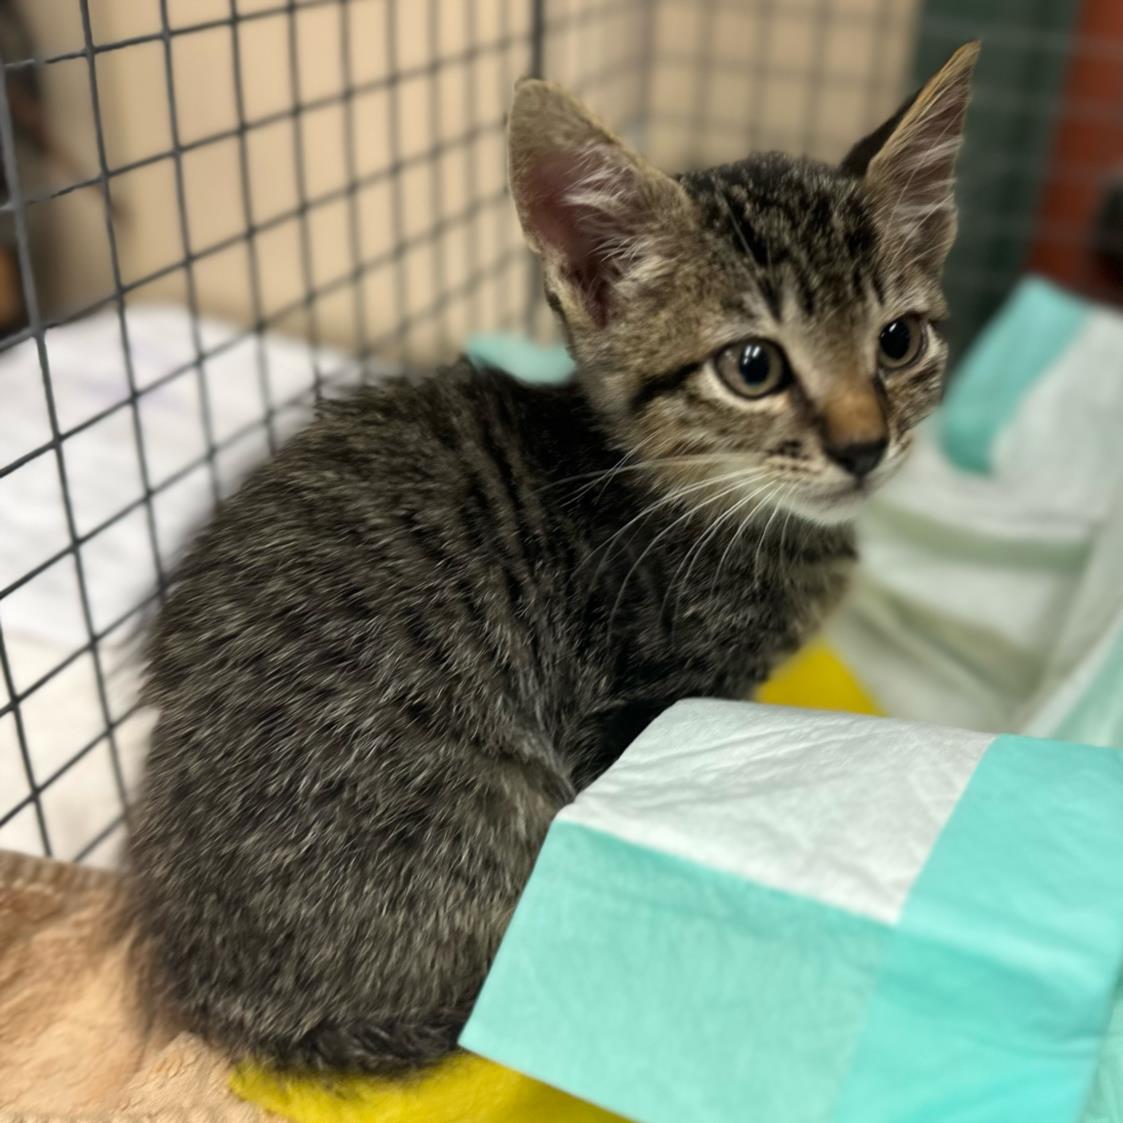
x,y
855,491
835,504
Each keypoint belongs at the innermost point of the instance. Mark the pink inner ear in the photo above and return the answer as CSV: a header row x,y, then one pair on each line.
x,y
575,230
552,177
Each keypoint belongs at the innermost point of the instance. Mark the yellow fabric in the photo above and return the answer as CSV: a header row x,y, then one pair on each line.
x,y
469,1089
464,1089
815,678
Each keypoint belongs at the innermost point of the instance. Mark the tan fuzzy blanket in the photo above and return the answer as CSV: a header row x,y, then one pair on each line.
x,y
75,1043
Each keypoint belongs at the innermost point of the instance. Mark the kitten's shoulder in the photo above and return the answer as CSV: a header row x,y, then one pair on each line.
x,y
447,410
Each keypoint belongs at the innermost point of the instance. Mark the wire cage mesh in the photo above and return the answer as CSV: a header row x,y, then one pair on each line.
x,y
213,211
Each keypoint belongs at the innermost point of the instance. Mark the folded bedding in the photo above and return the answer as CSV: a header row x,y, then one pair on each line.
x,y
810,917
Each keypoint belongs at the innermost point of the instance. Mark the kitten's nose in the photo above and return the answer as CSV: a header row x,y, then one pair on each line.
x,y
859,458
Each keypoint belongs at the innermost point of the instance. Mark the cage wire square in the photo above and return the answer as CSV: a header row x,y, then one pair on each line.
x,y
213,212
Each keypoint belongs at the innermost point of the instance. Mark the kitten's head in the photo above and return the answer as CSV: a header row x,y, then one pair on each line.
x,y
770,325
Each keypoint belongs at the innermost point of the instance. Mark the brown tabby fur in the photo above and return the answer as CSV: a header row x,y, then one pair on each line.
x,y
448,605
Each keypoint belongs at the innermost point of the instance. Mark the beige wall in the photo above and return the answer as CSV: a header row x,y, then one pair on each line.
x,y
751,90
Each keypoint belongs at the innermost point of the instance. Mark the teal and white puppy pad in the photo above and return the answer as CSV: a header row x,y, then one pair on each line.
x,y
783,916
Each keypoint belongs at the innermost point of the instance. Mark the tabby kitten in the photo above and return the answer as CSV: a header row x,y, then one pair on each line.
x,y
450,603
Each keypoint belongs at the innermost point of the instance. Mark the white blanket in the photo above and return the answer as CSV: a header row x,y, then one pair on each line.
x,y
44,621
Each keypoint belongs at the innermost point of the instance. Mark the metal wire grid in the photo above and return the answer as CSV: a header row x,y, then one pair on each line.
x,y
436,254
493,288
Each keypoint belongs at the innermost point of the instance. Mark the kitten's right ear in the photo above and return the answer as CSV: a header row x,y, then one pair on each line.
x,y
592,208
909,162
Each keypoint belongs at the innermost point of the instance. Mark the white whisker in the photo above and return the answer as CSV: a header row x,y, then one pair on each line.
x,y
767,527
654,542
648,465
695,550
746,522
671,497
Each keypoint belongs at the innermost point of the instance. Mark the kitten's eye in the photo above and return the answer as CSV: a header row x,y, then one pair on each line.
x,y
900,342
753,368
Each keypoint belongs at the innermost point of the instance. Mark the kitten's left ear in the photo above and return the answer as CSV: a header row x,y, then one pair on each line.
x,y
909,162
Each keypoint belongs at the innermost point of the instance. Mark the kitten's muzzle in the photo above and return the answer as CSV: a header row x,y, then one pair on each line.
x,y
853,425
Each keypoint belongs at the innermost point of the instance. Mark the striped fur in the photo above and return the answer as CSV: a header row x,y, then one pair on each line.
x,y
451,602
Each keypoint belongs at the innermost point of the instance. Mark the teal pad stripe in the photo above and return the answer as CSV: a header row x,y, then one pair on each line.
x,y
1028,335
668,991
521,358
997,989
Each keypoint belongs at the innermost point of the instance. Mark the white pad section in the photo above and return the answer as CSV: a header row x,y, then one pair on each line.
x,y
836,807
1061,446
